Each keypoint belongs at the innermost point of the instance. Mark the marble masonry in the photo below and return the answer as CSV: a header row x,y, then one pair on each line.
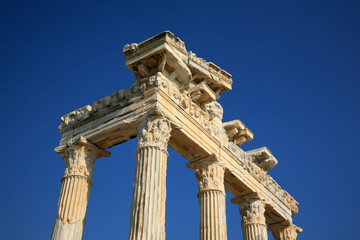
x,y
173,101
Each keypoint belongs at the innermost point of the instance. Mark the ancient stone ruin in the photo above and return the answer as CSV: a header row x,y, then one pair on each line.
x,y
173,101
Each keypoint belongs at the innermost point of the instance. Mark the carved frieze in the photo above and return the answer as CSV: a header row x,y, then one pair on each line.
x,y
214,126
74,117
103,106
274,187
246,160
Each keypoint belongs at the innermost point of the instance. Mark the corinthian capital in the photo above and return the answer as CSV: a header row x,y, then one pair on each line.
x,y
154,131
209,173
252,209
80,156
284,230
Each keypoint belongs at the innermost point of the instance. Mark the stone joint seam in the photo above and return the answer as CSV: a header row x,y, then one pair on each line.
x,y
80,176
257,224
152,146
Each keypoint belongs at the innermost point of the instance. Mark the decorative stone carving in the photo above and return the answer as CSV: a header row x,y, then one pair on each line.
x,y
215,122
75,116
199,82
210,175
79,157
202,94
103,106
217,79
237,132
174,83
246,159
194,110
117,99
291,202
263,158
252,210
285,230
147,219
154,132
169,56
130,48
273,187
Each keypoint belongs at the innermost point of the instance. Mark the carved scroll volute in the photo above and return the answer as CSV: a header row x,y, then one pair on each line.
x,y
155,132
209,173
79,157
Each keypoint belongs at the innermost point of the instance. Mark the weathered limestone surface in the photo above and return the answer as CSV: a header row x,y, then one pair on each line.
x,y
79,158
285,230
176,92
210,175
253,224
147,219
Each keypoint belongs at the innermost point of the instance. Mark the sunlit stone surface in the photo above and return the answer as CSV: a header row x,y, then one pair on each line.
x,y
173,101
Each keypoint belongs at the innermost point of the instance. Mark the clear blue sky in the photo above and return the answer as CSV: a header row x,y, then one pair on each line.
x,y
295,67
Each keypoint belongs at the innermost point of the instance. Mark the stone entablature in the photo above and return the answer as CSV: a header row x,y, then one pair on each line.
x,y
167,53
229,133
175,92
247,161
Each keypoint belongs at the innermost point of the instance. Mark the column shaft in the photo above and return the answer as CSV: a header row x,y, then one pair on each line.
x,y
147,217
79,157
210,175
252,211
72,205
254,232
212,215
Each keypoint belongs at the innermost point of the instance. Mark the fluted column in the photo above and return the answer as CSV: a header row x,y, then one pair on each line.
x,y
79,158
253,223
147,218
210,175
285,230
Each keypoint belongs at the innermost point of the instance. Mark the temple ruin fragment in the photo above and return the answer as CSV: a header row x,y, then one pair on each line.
x,y
173,101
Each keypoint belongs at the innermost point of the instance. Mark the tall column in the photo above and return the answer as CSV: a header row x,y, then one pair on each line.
x,y
79,158
147,218
253,223
285,230
210,175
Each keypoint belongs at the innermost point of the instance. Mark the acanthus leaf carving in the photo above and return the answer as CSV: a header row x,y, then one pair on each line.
x,y
252,209
209,173
284,230
154,131
79,157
